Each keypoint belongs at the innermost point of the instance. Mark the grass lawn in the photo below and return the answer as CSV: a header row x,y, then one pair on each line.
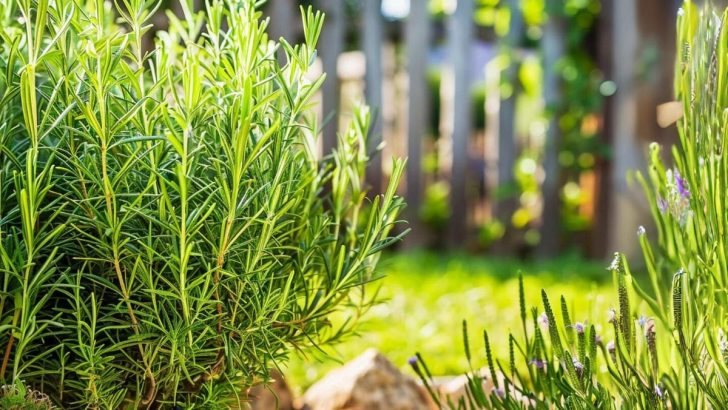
x,y
428,295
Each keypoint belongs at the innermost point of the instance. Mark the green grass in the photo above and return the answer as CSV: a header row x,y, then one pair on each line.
x,y
428,295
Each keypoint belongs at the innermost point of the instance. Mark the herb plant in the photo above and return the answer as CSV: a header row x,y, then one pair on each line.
x,y
167,230
675,354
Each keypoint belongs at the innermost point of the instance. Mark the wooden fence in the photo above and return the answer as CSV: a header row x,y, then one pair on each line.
x,y
388,63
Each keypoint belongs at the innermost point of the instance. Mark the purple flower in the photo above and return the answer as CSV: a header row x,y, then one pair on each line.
x,y
500,393
681,185
543,319
580,327
412,361
659,393
662,204
642,321
577,364
641,230
677,201
538,363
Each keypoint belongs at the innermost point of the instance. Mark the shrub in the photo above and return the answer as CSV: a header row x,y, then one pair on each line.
x,y
167,231
675,356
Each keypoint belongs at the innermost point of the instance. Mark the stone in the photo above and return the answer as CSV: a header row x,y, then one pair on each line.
x,y
369,382
274,396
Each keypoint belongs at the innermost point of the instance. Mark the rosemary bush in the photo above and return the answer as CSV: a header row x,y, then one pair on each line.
x,y
664,345
167,231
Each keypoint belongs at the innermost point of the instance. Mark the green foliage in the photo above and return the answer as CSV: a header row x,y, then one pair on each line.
x,y
490,232
167,232
576,112
18,397
579,107
675,357
435,210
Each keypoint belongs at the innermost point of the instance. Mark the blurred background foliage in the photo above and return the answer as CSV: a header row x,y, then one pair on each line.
x,y
563,113
573,83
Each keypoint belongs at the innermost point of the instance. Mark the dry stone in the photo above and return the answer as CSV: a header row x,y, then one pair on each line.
x,y
369,382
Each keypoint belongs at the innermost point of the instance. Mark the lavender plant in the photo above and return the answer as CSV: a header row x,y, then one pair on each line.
x,y
167,230
674,355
